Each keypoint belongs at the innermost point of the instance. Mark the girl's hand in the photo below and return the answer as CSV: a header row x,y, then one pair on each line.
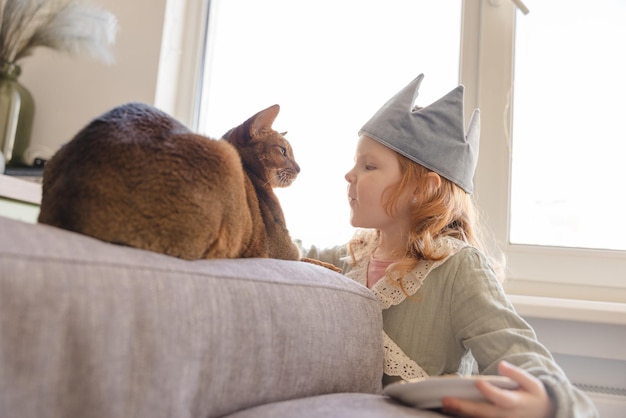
x,y
529,401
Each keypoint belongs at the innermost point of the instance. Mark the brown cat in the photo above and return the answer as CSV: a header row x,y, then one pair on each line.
x,y
136,176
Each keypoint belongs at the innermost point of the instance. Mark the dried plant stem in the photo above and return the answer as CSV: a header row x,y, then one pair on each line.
x,y
70,26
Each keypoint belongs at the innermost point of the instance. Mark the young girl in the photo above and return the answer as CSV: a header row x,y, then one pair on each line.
x,y
443,305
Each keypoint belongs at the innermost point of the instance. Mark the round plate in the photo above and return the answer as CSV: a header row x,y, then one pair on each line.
x,y
428,393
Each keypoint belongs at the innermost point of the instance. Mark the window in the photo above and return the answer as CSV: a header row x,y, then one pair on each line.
x,y
330,65
568,140
537,266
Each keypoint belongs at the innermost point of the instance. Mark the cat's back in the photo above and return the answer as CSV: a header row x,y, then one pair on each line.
x,y
125,128
137,176
129,144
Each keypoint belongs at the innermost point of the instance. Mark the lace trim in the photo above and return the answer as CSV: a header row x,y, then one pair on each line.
x,y
399,364
389,293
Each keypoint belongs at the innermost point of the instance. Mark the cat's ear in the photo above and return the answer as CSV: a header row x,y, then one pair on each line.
x,y
283,133
264,120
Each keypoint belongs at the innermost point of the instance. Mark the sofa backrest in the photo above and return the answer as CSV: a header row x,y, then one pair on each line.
x,y
91,329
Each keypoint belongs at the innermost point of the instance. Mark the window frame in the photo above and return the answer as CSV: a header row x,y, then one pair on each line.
x,y
487,66
486,69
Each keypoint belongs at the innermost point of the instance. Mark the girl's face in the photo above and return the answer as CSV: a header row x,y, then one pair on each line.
x,y
376,170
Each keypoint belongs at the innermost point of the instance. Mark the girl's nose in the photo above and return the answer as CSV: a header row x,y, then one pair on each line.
x,y
349,176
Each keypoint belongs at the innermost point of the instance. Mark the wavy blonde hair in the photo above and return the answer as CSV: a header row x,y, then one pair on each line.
x,y
444,211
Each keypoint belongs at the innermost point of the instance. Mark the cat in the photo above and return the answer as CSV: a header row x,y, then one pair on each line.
x,y
136,176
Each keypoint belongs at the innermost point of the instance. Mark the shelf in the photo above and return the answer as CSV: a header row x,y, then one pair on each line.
x,y
20,190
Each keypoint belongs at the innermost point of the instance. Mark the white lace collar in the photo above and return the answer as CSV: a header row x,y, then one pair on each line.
x,y
391,293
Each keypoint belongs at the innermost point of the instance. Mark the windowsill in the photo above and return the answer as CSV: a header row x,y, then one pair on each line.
x,y
570,309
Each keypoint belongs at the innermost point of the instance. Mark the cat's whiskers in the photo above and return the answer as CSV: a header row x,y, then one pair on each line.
x,y
267,182
285,177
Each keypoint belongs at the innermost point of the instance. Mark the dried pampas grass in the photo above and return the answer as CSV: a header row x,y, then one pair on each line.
x,y
70,26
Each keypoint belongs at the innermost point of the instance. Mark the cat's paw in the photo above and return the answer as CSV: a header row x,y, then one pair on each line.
x,y
322,263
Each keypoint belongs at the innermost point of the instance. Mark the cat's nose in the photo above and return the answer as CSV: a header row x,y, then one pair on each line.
x,y
297,167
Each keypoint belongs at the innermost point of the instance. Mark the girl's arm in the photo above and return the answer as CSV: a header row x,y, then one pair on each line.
x,y
333,255
485,321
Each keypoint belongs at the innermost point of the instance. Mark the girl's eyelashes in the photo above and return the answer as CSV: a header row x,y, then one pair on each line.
x,y
365,164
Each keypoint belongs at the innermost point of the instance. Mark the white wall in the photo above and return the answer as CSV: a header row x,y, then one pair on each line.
x,y
587,340
70,91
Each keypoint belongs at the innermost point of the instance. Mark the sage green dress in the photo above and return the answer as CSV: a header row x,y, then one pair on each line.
x,y
459,321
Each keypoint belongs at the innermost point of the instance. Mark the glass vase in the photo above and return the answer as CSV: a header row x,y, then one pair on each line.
x,y
16,115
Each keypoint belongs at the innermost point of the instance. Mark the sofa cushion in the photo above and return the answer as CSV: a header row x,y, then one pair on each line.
x,y
337,405
92,329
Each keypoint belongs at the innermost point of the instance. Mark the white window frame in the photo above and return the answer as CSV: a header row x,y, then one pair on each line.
x,y
486,69
487,62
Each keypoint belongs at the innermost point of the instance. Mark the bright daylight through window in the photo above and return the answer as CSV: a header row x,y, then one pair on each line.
x,y
329,64
568,166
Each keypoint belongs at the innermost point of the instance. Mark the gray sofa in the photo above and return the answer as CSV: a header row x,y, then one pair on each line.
x,y
91,329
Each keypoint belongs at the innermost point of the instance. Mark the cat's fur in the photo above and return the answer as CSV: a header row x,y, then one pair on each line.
x,y
136,176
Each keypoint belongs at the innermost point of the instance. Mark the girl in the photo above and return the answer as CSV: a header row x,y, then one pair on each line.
x,y
444,310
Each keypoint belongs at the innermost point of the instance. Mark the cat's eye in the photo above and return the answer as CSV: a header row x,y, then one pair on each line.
x,y
283,151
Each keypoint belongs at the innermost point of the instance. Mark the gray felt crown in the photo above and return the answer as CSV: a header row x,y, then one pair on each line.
x,y
433,136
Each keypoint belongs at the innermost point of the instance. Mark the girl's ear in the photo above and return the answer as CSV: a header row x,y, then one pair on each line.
x,y
432,182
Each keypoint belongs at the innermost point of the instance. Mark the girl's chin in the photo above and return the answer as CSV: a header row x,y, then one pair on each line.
x,y
356,224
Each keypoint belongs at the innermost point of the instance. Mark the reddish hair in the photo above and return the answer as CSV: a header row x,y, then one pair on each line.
x,y
443,211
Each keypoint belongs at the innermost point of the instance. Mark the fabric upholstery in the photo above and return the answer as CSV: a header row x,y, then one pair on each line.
x,y
91,329
336,405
